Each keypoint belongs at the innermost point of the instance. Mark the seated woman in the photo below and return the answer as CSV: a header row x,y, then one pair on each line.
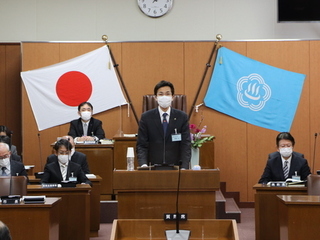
x,y
63,169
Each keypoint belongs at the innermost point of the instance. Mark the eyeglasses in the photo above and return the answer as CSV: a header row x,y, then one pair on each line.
x,y
5,156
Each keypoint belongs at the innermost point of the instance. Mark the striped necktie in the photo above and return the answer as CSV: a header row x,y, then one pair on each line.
x,y
64,169
85,129
285,170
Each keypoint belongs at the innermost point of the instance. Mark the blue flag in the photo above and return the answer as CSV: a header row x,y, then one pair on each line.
x,y
254,92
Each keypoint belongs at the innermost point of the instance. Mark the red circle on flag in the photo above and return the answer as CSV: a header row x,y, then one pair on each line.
x,y
73,88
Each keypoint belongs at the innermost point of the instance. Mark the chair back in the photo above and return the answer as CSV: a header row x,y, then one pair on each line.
x,y
179,102
15,185
313,184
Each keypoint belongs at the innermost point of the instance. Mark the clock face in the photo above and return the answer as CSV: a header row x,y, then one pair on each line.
x,y
155,8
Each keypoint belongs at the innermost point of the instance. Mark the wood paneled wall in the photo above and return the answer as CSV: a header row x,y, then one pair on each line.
x,y
10,90
241,149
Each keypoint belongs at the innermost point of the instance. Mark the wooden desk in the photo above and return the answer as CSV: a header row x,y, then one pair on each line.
x,y
299,217
74,209
100,160
32,221
122,143
266,209
149,194
94,203
155,229
29,169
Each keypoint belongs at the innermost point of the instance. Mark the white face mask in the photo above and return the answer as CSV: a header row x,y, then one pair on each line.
x,y
63,159
86,115
286,152
164,101
5,162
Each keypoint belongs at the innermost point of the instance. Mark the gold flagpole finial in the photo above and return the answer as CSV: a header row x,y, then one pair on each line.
x,y
218,37
104,38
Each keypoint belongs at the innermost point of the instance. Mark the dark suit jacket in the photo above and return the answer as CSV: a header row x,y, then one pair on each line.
x,y
77,157
94,128
52,173
15,157
13,149
276,154
274,170
17,169
151,142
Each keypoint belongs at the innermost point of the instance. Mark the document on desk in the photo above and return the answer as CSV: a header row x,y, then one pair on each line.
x,y
91,176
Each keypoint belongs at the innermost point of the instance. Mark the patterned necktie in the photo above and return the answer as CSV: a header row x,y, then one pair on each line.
x,y
164,122
285,170
85,129
3,173
64,169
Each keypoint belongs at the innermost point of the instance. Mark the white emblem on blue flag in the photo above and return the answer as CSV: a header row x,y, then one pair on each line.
x,y
253,92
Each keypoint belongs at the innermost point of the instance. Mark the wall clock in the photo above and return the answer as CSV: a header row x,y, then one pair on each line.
x,y
155,8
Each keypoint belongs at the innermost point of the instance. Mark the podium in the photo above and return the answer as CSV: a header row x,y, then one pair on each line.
x,y
100,161
267,211
122,143
149,194
155,229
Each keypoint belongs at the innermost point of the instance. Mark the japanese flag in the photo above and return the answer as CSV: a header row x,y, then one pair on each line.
x,y
56,91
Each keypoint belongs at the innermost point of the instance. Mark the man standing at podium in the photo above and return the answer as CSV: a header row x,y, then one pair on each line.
x,y
164,135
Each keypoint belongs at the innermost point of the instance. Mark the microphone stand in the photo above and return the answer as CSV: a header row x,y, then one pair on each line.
x,y
10,185
178,234
164,148
40,149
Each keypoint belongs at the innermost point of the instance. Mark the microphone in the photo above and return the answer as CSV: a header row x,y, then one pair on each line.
x,y
178,234
314,150
10,185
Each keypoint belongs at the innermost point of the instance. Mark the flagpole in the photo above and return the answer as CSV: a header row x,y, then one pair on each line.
x,y
218,37
105,38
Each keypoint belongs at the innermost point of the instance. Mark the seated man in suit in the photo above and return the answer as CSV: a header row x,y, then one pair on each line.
x,y
76,157
164,134
4,232
63,169
10,167
285,164
86,128
5,131
7,140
